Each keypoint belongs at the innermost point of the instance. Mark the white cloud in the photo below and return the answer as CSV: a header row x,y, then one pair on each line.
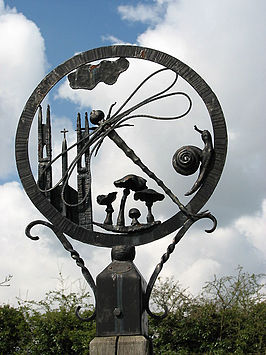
x,y
34,265
199,256
253,228
146,13
22,63
112,39
218,40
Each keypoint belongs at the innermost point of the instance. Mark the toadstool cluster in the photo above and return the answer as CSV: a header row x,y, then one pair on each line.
x,y
142,192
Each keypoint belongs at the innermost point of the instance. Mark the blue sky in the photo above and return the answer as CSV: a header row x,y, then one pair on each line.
x,y
224,42
68,28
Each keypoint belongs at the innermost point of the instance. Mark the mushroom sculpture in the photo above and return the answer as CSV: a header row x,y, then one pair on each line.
x,y
134,214
107,200
149,196
128,182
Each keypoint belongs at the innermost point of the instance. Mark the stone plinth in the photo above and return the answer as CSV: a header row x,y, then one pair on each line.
x,y
120,345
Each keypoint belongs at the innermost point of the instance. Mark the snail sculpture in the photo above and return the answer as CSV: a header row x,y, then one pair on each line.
x,y
187,160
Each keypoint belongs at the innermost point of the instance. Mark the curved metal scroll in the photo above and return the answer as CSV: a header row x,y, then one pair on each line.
x,y
166,256
74,254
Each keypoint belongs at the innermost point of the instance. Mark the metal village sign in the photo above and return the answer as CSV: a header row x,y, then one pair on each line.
x,y
121,294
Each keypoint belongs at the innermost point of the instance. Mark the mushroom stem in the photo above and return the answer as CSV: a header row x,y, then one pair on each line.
x,y
150,217
134,222
121,214
109,211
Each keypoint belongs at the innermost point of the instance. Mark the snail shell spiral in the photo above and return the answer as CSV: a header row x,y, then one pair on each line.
x,y
186,160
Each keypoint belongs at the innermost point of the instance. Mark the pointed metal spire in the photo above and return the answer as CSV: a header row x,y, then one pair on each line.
x,y
48,134
84,175
64,154
86,124
78,124
79,137
40,135
44,151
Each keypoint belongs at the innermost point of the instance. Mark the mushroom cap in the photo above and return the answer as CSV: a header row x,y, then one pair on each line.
x,y
134,213
106,199
132,182
148,195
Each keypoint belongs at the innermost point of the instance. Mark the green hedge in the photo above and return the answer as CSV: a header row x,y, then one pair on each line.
x,y
228,317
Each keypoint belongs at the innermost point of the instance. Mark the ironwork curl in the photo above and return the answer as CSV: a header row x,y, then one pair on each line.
x,y
166,256
74,254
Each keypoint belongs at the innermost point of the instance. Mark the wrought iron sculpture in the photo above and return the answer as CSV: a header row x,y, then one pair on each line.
x,y
70,210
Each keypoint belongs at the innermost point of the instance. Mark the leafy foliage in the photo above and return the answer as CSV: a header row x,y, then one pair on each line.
x,y
242,290
14,330
227,318
49,326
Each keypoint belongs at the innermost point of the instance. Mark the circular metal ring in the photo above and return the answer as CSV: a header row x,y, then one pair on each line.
x,y
104,239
